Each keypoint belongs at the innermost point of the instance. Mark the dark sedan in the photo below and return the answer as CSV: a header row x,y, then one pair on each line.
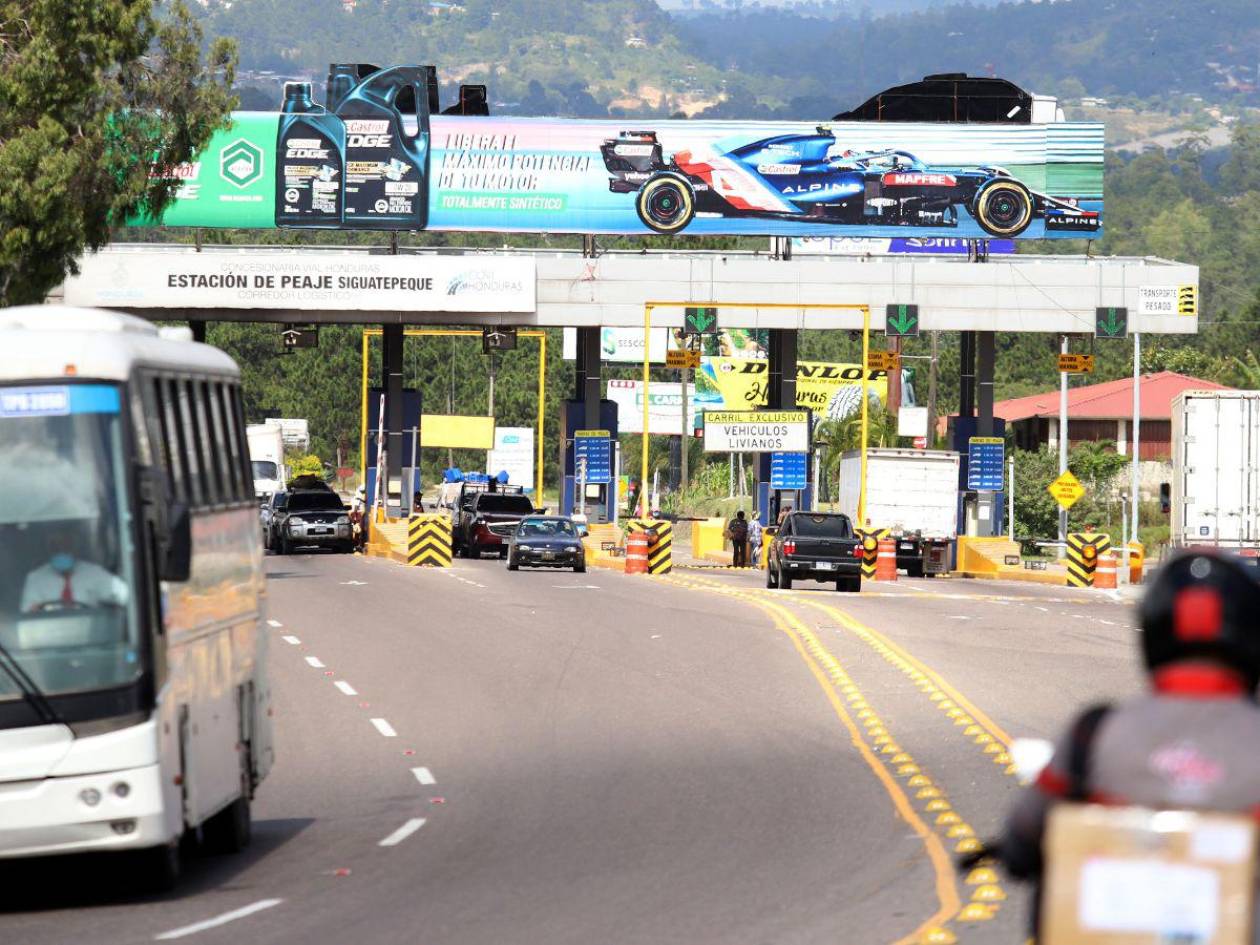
x,y
546,542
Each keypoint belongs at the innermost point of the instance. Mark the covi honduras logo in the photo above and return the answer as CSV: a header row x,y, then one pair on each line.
x,y
481,282
241,163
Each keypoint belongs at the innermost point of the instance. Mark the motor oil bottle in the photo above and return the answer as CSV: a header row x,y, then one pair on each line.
x,y
310,162
342,77
386,117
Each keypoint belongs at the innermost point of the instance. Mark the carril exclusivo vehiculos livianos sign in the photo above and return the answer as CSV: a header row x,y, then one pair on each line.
x,y
382,155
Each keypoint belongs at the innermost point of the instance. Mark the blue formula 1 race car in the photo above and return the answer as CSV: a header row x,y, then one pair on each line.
x,y
806,178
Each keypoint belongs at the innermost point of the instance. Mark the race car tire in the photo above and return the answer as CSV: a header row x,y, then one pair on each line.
x,y
1003,208
666,203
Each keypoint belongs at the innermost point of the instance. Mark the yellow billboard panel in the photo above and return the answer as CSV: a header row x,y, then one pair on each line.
x,y
456,433
829,389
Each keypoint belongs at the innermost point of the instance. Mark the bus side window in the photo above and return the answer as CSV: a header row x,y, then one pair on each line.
x,y
241,442
158,404
188,438
227,443
219,458
204,444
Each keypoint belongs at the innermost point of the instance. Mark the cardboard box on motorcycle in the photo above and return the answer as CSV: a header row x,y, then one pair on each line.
x,y
1133,876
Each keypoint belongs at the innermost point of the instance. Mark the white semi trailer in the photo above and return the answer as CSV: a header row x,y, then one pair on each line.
x,y
914,494
1216,470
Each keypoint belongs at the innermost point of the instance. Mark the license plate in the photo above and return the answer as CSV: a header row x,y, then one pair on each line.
x,y
825,565
549,556
321,531
907,547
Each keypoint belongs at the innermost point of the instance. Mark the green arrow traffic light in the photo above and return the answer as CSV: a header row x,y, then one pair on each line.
x,y
698,321
1111,322
901,321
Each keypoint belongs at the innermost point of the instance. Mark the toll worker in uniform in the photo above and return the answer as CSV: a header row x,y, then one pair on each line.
x,y
1189,743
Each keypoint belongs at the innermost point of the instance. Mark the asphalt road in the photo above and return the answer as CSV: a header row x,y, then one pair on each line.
x,y
476,756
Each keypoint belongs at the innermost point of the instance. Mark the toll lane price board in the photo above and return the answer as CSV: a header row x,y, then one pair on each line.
x,y
986,455
595,446
1067,489
756,431
788,470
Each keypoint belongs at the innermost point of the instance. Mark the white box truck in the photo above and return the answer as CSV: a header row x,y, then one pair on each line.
x,y
266,458
1216,469
914,494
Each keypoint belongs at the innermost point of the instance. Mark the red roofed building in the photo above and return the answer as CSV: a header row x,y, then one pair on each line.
x,y
1102,412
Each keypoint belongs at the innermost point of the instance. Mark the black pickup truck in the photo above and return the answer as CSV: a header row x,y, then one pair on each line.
x,y
484,520
815,546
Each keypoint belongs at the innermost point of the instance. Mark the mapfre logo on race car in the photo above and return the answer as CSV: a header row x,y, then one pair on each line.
x,y
919,179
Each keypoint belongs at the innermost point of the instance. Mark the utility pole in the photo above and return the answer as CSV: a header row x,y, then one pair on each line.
x,y
936,337
1063,445
450,402
685,442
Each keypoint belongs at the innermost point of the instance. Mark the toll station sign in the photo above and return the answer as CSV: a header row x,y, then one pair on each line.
x,y
756,431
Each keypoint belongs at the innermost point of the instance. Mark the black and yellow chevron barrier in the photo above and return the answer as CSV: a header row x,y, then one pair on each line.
x,y
429,540
870,548
1083,549
660,543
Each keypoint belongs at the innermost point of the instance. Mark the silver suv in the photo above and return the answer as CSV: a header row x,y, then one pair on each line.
x,y
308,517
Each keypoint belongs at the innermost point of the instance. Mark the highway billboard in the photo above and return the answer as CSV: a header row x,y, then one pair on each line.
x,y
391,171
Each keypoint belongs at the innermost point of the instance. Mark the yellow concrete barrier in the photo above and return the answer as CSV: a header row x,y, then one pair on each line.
x,y
986,558
707,543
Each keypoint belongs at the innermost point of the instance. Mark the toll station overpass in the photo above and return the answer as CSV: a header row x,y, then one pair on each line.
x,y
395,287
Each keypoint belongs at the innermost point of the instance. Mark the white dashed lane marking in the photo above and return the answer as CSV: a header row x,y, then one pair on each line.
x,y
384,728
291,640
424,776
274,623
345,687
403,832
315,661
218,920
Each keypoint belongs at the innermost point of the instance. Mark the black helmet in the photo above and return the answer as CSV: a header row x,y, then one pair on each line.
x,y
1203,605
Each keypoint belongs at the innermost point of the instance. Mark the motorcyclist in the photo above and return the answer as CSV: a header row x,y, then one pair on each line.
x,y
1186,744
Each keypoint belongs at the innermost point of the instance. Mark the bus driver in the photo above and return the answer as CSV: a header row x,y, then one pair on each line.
x,y
64,581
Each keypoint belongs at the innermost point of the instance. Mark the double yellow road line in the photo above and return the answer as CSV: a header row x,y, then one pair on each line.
x,y
895,769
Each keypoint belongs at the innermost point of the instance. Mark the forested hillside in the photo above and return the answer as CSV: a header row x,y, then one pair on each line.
x,y
596,57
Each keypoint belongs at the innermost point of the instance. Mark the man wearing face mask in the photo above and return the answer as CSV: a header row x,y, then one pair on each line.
x,y
65,581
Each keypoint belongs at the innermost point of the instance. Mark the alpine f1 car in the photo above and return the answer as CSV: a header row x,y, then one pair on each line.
x,y
807,177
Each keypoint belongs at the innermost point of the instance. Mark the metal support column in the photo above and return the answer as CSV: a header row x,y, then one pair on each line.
x,y
966,374
781,395
984,382
392,383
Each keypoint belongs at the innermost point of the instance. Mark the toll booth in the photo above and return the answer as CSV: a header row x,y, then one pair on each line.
x,y
398,489
601,459
981,512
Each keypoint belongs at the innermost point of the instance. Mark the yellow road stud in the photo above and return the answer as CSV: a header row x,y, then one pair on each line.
x,y
927,792
993,748
938,696
1002,758
989,892
972,730
964,720
975,912
892,748
900,759
938,936
937,804
920,780
980,876
968,845
959,830
904,770
948,704
983,738
947,818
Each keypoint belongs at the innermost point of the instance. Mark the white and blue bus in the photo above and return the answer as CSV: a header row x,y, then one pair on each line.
x,y
134,697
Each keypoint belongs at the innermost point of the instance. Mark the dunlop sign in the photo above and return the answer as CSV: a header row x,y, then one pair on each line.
x,y
757,431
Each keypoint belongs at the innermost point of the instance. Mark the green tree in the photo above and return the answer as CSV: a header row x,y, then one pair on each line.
x,y
94,96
